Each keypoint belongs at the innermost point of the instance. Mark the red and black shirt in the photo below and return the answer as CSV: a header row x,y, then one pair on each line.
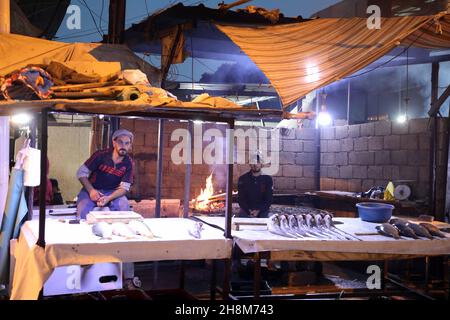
x,y
107,175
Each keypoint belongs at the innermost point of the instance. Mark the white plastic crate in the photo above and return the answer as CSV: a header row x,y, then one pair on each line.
x,y
81,279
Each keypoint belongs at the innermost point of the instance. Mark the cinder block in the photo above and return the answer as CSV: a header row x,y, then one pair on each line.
x,y
288,134
327,133
303,184
409,173
399,157
381,182
305,158
146,126
306,133
354,131
347,144
361,157
367,129
376,143
345,172
359,172
309,146
361,144
333,172
292,171
392,142
424,174
323,145
127,124
400,128
284,184
367,184
327,184
334,146
327,158
151,139
341,158
382,157
424,141
308,171
409,142
382,128
341,132
287,158
292,145
418,125
341,184
354,185
375,172
418,157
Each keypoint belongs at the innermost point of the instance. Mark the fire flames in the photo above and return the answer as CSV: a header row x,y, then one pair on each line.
x,y
202,201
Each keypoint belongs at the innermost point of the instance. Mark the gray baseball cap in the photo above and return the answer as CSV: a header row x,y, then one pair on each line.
x,y
122,132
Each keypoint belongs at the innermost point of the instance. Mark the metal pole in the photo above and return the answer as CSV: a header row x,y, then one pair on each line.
x,y
317,143
348,101
4,121
43,186
187,178
159,167
230,162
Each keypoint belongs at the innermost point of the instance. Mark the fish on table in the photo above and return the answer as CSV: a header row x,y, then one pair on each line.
x,y
388,230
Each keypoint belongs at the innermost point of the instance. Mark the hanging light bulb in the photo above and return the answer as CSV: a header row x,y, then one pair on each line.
x,y
324,118
21,118
402,118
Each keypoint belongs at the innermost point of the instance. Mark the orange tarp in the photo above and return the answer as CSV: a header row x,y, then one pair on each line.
x,y
299,58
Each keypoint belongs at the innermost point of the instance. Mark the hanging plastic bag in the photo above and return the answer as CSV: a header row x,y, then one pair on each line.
x,y
29,159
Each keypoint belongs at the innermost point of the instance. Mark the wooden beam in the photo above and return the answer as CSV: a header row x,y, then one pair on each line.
x,y
436,104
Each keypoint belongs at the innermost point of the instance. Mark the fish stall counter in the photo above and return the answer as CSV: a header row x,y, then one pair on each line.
x,y
358,241
77,244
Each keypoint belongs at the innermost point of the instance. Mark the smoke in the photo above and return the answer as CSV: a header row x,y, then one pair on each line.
x,y
241,71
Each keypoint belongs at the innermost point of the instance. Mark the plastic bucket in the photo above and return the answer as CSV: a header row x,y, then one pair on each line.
x,y
375,211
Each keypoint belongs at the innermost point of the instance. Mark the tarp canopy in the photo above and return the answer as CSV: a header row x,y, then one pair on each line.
x,y
18,51
299,58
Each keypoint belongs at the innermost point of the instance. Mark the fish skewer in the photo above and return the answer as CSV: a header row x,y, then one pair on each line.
x,y
274,226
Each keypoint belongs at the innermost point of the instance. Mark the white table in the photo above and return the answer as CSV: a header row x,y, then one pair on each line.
x,y
69,244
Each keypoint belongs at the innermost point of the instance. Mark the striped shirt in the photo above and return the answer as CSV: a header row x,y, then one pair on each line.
x,y
107,175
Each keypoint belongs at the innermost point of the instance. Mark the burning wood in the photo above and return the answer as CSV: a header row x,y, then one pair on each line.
x,y
207,201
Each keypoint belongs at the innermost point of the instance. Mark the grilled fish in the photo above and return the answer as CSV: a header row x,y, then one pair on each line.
x,y
388,230
433,229
397,220
419,230
405,230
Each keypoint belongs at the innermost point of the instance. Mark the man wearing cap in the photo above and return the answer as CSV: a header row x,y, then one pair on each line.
x,y
107,176
255,190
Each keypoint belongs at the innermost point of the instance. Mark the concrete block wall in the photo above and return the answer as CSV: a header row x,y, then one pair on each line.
x,y
357,157
353,158
295,173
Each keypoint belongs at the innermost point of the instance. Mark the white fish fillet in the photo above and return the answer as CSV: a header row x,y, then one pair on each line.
x,y
122,230
103,230
140,228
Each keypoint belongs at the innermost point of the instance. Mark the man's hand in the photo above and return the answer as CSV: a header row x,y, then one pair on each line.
x,y
254,213
95,195
103,201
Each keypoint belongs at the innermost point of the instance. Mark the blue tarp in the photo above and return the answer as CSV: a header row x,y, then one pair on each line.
x,y
15,212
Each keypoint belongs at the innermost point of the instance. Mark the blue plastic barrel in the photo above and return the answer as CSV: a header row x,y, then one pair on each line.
x,y
375,211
